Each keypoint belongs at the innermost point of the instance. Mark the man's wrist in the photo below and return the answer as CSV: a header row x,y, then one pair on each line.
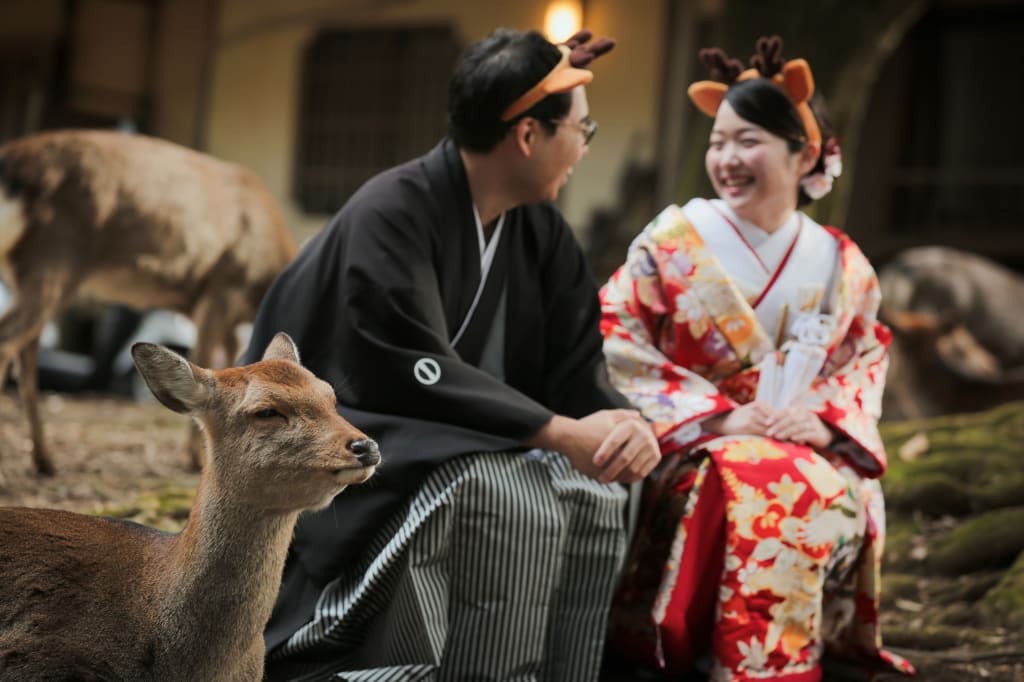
x,y
552,434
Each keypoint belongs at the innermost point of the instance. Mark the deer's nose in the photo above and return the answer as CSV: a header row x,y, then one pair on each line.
x,y
366,451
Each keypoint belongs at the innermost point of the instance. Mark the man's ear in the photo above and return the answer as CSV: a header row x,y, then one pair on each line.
x,y
525,133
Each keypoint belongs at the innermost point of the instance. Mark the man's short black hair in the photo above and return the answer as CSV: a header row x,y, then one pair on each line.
x,y
493,73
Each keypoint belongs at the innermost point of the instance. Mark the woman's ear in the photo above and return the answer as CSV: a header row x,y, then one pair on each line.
x,y
809,157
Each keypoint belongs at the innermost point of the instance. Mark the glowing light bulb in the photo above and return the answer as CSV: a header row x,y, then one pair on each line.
x,y
562,20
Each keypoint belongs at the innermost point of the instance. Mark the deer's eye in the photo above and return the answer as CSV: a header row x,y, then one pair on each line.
x,y
268,413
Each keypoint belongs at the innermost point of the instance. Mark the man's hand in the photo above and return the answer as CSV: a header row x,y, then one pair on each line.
x,y
608,445
629,452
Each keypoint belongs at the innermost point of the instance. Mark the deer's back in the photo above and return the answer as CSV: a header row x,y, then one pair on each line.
x,y
76,601
140,215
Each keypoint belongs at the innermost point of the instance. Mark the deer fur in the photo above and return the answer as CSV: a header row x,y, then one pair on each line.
x,y
133,220
958,338
88,598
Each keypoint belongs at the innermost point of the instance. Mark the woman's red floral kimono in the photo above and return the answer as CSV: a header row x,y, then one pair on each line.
x,y
764,553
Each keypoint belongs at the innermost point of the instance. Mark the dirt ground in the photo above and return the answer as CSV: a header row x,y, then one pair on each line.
x,y
119,458
113,457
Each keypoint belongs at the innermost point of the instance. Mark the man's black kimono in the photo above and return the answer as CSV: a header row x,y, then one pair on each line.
x,y
372,303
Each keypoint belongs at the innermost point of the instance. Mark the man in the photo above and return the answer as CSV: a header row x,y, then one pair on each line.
x,y
451,308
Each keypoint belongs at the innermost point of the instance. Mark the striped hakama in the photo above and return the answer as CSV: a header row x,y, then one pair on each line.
x,y
501,567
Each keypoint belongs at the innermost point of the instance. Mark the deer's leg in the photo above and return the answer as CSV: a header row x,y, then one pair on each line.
x,y
37,300
28,385
213,327
229,343
5,363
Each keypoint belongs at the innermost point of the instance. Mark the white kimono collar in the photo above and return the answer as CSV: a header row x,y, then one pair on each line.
x,y
487,250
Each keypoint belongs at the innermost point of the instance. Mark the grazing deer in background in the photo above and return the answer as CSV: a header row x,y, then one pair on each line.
x,y
88,598
133,220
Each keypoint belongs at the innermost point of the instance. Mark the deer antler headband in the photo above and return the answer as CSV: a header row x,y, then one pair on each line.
x,y
566,74
793,78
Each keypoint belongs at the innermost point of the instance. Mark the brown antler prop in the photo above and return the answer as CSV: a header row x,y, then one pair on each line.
x,y
768,58
566,74
581,54
724,69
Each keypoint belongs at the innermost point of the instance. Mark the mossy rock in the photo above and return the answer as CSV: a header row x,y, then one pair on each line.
x,y
990,540
1003,491
926,637
900,586
974,463
996,431
1004,604
959,428
932,493
940,492
932,463
958,613
961,589
967,465
900,534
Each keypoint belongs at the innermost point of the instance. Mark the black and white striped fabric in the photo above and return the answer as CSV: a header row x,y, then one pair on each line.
x,y
502,567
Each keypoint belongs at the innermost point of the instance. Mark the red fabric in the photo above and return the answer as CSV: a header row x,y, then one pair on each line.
x,y
686,632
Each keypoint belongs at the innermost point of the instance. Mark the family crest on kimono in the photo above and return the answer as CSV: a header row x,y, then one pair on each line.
x,y
451,309
746,333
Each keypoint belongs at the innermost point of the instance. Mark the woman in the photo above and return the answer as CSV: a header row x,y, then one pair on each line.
x,y
746,334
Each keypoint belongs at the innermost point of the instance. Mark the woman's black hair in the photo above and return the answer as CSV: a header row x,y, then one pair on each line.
x,y
493,73
765,104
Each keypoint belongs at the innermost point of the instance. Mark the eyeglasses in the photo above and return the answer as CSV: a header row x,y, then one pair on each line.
x,y
587,126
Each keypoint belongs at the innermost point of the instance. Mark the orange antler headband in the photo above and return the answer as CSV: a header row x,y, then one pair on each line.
x,y
565,75
794,78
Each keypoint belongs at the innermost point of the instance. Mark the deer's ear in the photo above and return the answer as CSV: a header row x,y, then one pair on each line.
x,y
175,381
282,348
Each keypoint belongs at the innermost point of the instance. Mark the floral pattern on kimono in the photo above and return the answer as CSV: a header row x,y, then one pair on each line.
x,y
683,344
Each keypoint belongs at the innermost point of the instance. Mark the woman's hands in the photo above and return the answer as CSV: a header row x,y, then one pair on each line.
x,y
750,419
795,424
799,425
608,445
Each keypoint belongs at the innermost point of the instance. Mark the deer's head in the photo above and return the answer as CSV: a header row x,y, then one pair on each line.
x,y
273,431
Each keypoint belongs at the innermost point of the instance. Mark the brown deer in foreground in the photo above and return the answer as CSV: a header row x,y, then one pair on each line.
x,y
133,220
88,598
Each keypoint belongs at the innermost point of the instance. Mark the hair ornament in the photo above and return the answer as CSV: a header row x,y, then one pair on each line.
x,y
768,56
793,77
566,74
817,185
581,54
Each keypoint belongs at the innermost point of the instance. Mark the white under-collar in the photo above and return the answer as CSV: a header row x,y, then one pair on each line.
x,y
753,232
770,246
487,250
487,247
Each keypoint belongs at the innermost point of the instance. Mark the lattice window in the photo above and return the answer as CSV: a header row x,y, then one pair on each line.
x,y
370,99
